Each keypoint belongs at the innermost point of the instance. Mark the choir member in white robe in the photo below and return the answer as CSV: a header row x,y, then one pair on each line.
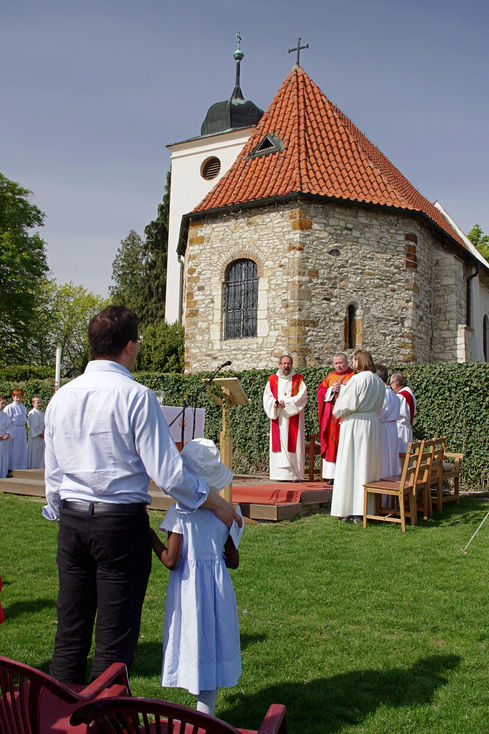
x,y
5,432
388,416
404,393
359,457
35,443
284,400
17,412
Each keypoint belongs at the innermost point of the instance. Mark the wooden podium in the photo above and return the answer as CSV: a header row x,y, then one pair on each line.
x,y
231,394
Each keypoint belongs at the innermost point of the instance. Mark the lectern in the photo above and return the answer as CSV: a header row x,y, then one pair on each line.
x,y
231,394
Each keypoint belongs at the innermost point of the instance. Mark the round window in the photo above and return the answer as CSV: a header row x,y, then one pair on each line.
x,y
210,168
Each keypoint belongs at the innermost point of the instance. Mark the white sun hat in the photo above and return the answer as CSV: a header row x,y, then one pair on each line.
x,y
201,457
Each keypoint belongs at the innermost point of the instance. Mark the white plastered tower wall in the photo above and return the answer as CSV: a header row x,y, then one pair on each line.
x,y
188,188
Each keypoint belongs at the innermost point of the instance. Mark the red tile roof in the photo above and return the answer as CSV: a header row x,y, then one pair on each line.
x,y
324,154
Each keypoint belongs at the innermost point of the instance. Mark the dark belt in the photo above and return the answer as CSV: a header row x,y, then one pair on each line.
x,y
100,508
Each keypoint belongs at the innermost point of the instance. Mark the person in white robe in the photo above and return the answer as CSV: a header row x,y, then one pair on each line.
x,y
388,416
407,400
35,443
284,400
359,457
17,412
5,432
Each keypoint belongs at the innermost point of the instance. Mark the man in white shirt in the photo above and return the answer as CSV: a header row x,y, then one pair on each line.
x,y
105,436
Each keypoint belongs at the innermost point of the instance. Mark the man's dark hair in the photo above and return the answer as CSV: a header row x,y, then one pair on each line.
x,y
382,371
111,329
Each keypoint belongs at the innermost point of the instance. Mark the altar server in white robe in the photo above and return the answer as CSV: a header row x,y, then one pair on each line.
x,y
284,400
17,412
388,416
35,443
359,457
5,432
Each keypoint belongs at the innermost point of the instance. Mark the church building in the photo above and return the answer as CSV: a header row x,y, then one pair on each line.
x,y
290,232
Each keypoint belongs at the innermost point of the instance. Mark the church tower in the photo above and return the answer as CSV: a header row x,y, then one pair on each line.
x,y
197,164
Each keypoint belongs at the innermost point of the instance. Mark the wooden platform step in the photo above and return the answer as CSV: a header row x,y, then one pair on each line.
x,y
31,483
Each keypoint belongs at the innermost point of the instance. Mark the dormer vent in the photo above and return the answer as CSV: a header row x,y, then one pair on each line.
x,y
269,144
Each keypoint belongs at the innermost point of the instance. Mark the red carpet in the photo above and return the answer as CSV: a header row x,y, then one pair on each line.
x,y
275,494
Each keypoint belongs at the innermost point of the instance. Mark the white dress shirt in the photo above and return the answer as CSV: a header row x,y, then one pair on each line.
x,y
105,437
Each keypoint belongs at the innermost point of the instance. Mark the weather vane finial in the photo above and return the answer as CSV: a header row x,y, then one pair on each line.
x,y
298,48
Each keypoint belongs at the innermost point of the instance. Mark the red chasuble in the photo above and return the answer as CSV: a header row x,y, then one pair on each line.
x,y
329,426
293,420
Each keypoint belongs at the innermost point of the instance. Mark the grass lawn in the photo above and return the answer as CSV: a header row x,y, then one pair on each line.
x,y
354,630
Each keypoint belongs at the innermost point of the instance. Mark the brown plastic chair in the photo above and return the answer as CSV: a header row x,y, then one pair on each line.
x,y
127,715
32,702
402,488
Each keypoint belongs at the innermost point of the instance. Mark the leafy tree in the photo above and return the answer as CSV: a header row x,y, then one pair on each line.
x,y
480,240
162,349
22,265
62,320
128,272
156,251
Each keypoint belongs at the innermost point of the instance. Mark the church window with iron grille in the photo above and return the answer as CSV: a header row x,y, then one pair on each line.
x,y
241,299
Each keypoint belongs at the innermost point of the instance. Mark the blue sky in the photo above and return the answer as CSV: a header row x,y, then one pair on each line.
x,y
91,93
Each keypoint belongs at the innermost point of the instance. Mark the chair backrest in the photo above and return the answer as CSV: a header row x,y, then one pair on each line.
x,y
21,688
127,715
410,463
425,461
438,454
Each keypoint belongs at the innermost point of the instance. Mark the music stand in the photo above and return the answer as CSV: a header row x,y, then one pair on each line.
x,y
231,394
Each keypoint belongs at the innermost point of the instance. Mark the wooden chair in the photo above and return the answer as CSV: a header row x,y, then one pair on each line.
x,y
32,702
401,487
313,449
126,715
422,482
436,470
448,470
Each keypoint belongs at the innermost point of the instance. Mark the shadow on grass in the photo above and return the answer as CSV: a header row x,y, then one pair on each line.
x,y
327,704
27,608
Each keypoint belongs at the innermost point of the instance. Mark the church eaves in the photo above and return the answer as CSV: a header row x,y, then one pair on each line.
x,y
324,155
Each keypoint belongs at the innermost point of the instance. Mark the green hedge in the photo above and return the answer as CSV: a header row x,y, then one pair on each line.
x,y
453,400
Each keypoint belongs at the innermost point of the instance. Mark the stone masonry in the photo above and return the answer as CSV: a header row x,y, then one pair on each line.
x,y
314,261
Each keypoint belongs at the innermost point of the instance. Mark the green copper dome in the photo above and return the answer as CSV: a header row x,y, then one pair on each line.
x,y
232,113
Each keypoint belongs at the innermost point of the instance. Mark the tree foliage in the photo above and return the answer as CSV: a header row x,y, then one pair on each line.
x,y
62,318
480,240
162,349
156,251
139,268
22,265
128,273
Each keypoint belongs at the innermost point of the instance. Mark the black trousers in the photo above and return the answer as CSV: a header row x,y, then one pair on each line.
x,y
104,561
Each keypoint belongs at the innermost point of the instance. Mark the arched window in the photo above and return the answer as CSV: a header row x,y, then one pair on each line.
x,y
351,327
241,299
485,338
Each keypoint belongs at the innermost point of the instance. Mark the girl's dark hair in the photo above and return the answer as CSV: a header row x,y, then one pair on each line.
x,y
111,329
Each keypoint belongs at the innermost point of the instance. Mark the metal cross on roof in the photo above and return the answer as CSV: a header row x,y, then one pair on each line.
x,y
298,48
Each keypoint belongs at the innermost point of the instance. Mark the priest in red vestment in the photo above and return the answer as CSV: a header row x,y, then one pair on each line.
x,y
329,426
284,400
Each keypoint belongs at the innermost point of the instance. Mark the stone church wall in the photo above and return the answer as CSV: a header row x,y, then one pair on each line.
x,y
314,261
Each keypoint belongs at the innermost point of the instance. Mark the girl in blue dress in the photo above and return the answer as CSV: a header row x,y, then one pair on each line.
x,y
201,647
